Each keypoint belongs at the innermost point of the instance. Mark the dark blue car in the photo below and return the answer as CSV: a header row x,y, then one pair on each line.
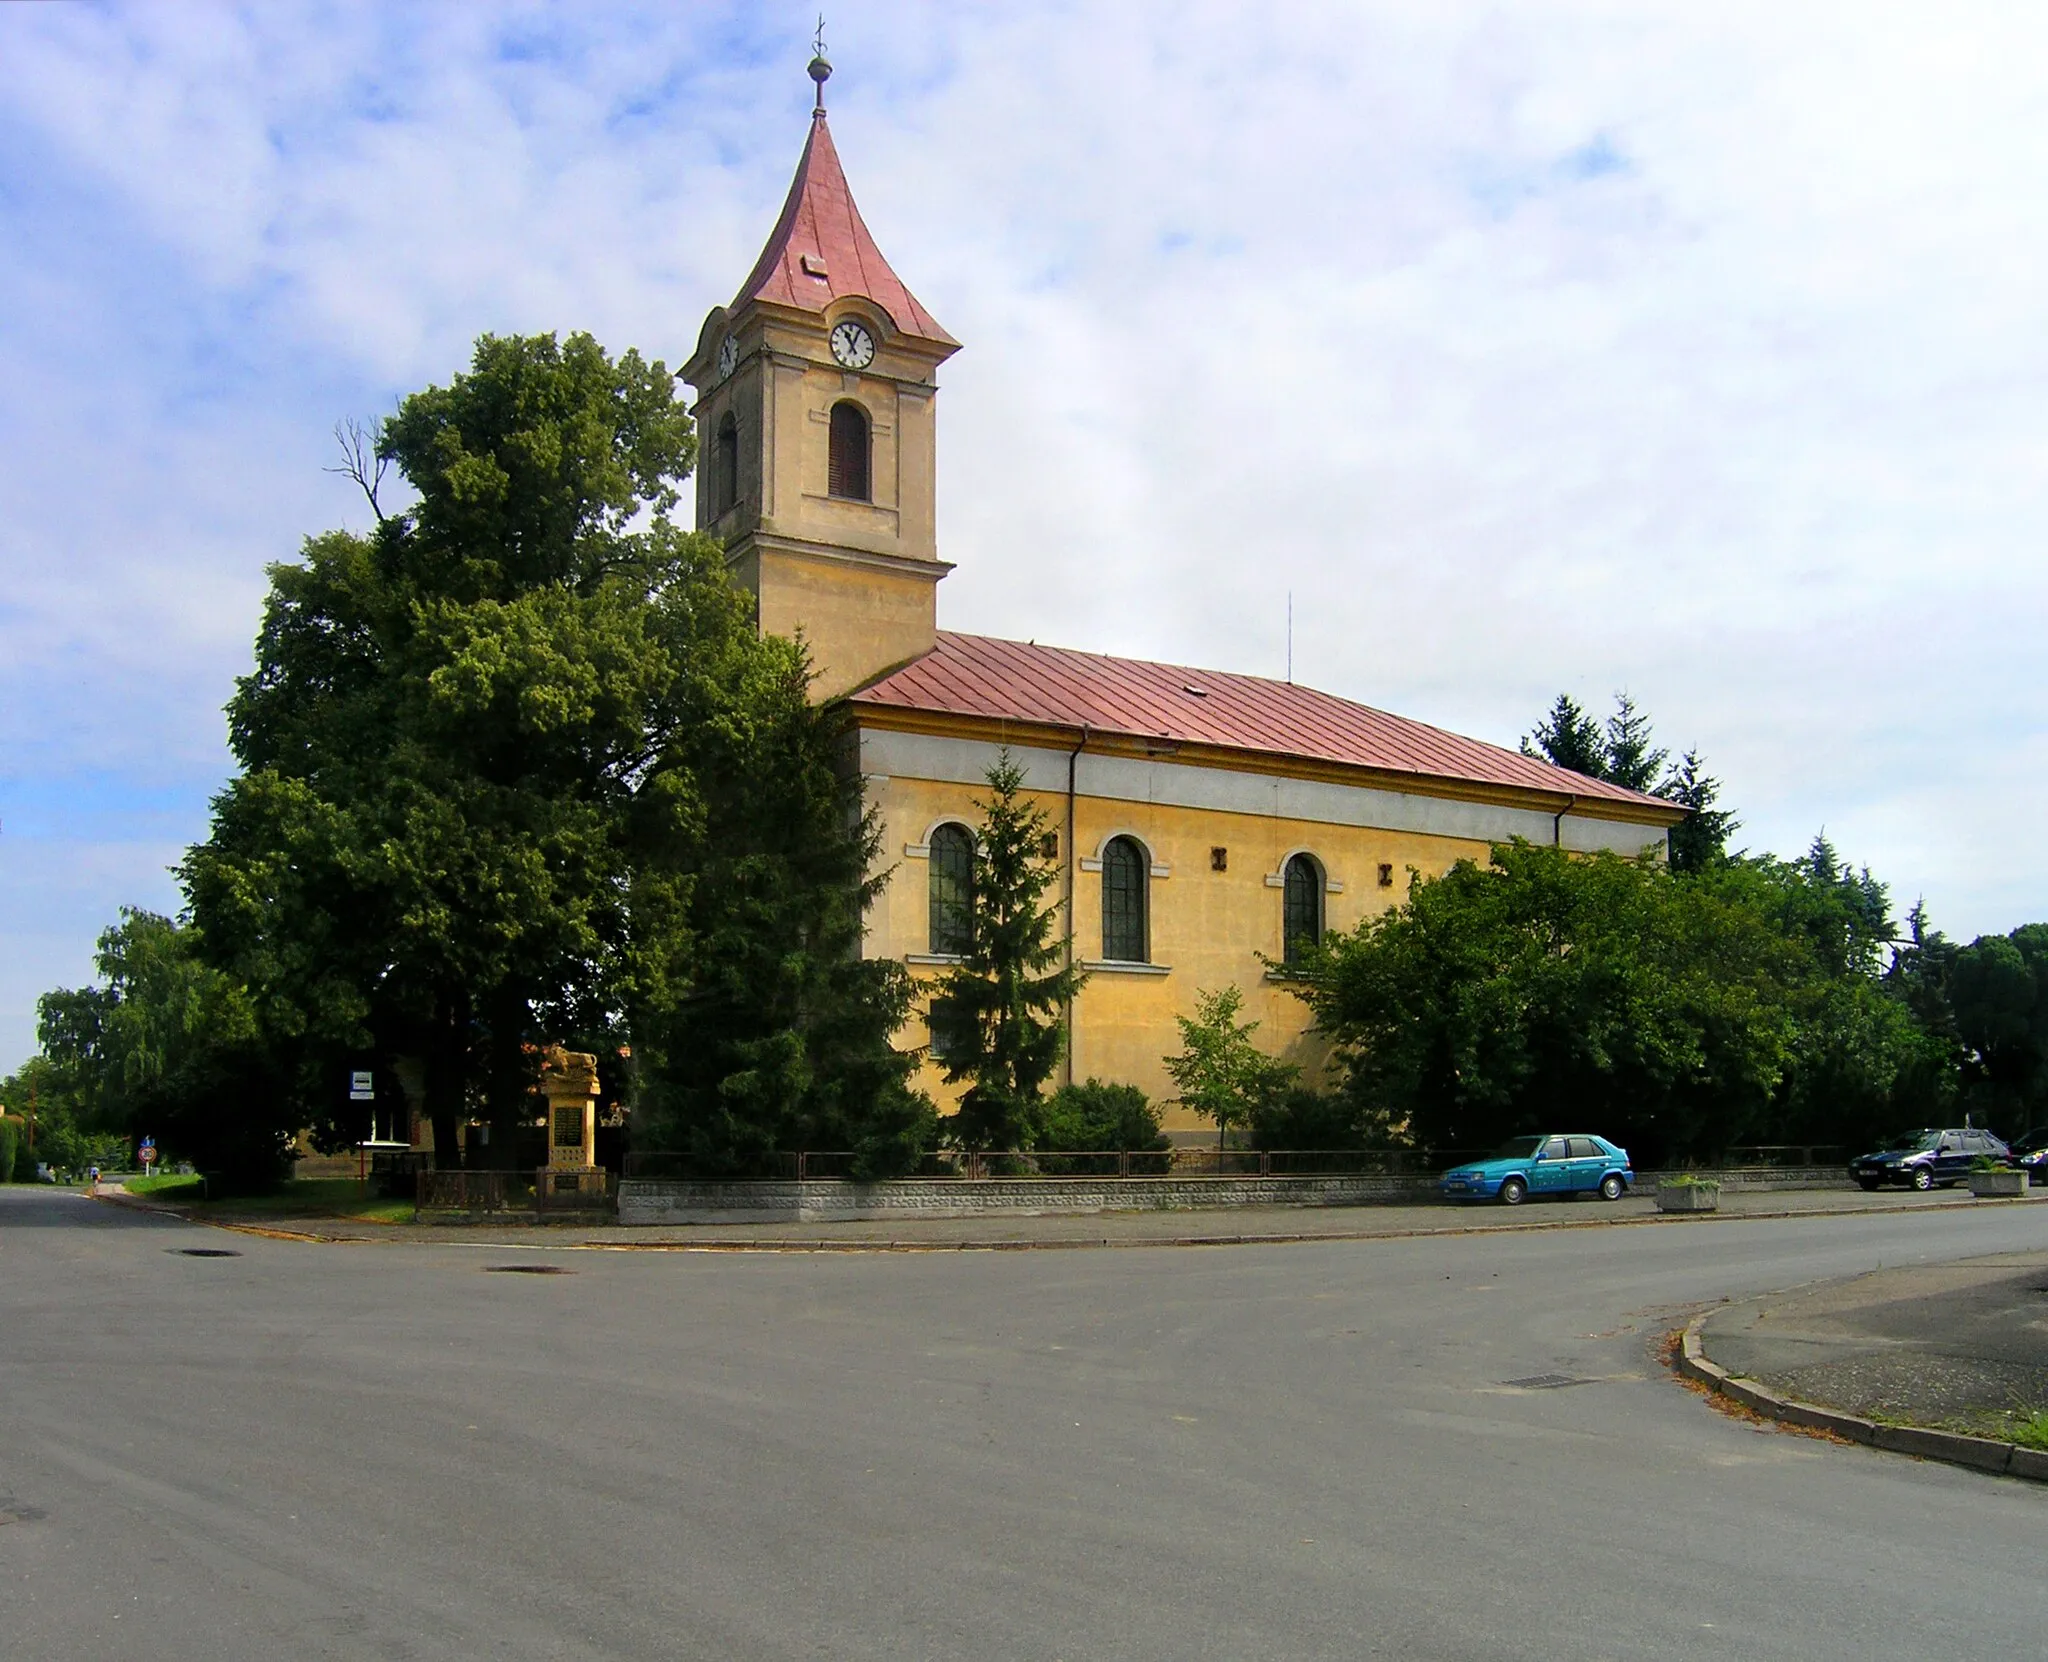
x,y
1525,1166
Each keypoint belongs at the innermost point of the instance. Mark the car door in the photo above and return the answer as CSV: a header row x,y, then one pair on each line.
x,y
1588,1163
1550,1173
1951,1159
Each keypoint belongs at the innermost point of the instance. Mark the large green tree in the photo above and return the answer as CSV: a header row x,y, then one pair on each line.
x,y
1623,751
1002,1011
784,1040
1543,991
467,814
164,1045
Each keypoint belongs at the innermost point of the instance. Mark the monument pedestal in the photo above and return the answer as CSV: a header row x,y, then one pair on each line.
x,y
572,1177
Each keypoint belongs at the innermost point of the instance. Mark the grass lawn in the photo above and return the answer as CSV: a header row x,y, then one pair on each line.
x,y
321,1197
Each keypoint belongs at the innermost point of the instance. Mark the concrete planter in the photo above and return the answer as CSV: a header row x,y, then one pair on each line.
x,y
1689,1197
1998,1183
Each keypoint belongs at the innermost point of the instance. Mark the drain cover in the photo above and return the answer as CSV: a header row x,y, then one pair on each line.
x,y
1545,1382
526,1269
208,1252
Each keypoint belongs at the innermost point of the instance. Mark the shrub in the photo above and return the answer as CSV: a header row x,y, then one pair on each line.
x,y
1307,1119
10,1141
1096,1116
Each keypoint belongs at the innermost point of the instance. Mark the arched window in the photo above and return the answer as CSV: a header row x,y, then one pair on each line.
x,y
848,474
1301,908
1125,871
725,472
952,889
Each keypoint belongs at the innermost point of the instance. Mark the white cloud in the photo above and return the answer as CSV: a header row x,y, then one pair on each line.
x,y
1573,345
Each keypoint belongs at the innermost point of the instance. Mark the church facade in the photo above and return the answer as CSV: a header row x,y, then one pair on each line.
x,y
1206,822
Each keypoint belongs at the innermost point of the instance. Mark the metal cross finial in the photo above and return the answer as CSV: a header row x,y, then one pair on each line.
x,y
820,70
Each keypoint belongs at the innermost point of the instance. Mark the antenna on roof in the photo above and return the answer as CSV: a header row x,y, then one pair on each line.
x,y
1290,637
820,70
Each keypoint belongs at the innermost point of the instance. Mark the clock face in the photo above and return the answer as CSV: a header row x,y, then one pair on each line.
x,y
728,356
852,345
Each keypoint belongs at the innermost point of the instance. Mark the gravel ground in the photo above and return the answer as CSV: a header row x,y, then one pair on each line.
x,y
1957,1346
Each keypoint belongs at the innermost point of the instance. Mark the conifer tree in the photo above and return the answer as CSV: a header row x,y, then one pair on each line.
x,y
1569,738
1003,1010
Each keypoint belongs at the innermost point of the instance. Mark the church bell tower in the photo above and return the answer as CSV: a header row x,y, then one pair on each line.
x,y
815,392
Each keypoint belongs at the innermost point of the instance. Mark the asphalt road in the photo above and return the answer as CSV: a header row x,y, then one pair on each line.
x,y
1294,1451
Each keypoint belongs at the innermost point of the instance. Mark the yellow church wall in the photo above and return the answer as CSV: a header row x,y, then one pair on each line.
x,y
1207,927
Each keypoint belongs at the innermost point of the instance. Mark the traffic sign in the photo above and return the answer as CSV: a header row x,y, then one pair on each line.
x,y
360,1086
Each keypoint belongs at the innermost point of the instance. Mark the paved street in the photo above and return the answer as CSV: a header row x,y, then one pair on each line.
x,y
1289,1451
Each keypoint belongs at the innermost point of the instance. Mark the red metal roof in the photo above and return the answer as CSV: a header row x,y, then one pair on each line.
x,y
821,251
976,675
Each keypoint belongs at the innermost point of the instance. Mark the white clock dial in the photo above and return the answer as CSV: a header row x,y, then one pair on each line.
x,y
852,345
728,356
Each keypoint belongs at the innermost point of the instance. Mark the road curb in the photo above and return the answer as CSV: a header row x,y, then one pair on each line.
x,y
1979,1453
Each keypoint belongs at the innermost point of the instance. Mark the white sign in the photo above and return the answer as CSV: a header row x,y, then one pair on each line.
x,y
360,1088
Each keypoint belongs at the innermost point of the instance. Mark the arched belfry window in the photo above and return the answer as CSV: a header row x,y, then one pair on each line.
x,y
848,474
952,889
1301,907
1126,869
725,467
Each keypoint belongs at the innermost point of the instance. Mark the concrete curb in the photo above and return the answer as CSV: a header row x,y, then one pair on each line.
x,y
1979,1453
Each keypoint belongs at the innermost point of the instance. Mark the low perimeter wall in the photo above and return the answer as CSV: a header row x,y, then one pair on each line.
x,y
654,1201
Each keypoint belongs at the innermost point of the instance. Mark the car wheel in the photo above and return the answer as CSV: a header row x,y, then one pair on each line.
x,y
1923,1179
1611,1187
1869,1185
1513,1192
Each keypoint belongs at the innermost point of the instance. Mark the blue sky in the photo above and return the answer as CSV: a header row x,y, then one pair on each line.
x,y
1563,346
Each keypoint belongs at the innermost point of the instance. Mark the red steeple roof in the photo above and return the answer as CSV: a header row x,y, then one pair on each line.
x,y
820,250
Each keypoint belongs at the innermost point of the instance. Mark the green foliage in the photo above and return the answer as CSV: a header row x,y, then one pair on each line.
x,y
1005,1005
1569,738
1623,752
167,1045
784,1040
1098,1116
1302,1118
1700,841
467,800
13,1146
1682,1017
1997,995
1219,1072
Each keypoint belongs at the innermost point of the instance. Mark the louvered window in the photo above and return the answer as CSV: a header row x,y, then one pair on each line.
x,y
952,889
725,474
1301,907
1125,870
848,474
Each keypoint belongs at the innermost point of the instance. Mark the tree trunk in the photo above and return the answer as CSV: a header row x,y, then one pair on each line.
x,y
447,1054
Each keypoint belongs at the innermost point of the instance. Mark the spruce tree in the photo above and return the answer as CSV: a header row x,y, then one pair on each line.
x,y
1569,738
1003,1010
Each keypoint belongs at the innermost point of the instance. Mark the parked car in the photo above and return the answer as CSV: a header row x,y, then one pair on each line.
x,y
2030,1154
1924,1159
1525,1166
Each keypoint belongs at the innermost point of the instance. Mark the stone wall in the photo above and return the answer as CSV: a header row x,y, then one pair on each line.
x,y
651,1201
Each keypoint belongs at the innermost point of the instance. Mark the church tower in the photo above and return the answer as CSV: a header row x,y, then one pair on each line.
x,y
815,392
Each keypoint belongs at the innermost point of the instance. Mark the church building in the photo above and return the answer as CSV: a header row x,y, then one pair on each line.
x,y
1207,822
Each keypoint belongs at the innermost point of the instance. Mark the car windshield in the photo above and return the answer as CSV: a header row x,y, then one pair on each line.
x,y
1914,1142
1518,1148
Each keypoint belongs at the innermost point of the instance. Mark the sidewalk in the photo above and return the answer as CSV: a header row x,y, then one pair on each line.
x,y
1099,1229
1943,1360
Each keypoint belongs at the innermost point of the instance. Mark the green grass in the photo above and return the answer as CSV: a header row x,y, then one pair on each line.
x,y
2031,1431
318,1197
164,1188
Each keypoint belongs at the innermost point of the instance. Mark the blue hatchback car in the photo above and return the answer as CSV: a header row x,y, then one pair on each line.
x,y
1525,1166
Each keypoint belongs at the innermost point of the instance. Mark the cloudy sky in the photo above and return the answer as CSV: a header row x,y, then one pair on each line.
x,y
1696,351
